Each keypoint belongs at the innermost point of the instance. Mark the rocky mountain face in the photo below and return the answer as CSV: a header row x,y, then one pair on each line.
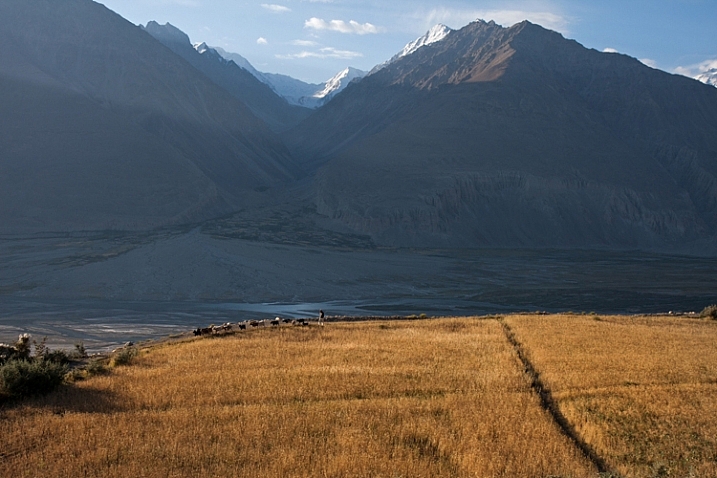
x,y
517,137
239,82
102,127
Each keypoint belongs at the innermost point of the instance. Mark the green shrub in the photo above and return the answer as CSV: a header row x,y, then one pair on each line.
x,y
79,351
124,356
709,312
96,367
57,356
22,378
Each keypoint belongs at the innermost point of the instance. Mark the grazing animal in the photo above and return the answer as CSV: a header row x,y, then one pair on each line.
x,y
276,322
287,321
254,323
242,326
224,328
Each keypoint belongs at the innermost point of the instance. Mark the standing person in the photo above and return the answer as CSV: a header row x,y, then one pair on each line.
x,y
321,318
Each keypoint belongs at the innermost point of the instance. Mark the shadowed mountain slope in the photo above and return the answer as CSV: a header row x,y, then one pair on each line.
x,y
104,127
518,137
241,84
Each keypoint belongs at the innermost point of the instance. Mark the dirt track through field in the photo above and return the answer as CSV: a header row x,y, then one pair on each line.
x,y
549,404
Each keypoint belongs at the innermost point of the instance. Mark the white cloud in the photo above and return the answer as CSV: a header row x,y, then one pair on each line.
x,y
327,52
649,62
459,18
697,69
261,41
304,43
610,50
341,26
276,8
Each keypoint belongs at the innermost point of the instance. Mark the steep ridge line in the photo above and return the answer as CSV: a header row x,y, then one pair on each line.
x,y
549,404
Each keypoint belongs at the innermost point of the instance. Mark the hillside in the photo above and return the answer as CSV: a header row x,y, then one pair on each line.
x,y
105,128
517,137
240,83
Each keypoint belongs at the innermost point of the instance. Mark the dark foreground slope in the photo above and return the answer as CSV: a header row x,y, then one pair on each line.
x,y
518,137
104,127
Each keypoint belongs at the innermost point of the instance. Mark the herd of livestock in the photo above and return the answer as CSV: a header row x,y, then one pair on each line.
x,y
229,327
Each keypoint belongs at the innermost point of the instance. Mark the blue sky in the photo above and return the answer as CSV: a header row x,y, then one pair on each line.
x,y
313,39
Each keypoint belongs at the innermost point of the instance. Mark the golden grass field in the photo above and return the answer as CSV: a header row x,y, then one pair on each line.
x,y
641,390
429,398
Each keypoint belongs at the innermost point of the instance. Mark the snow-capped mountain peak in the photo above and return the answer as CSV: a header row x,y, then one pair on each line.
x,y
339,82
201,47
709,77
435,34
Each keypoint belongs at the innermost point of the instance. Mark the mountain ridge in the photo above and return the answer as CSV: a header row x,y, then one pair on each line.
x,y
110,130
257,96
517,137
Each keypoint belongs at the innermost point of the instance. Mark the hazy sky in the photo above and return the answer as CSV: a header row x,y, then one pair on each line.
x,y
314,39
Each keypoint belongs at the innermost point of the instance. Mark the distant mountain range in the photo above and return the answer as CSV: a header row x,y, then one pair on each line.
x,y
103,127
479,137
296,92
239,82
517,137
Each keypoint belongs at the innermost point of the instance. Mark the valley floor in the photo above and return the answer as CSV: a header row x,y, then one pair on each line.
x,y
512,396
107,288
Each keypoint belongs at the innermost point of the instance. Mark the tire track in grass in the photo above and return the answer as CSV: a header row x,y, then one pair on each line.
x,y
549,404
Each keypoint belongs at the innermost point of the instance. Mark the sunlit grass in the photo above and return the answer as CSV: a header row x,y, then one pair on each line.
x,y
419,399
641,390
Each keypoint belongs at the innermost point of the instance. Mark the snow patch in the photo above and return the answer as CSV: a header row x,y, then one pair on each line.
x,y
437,33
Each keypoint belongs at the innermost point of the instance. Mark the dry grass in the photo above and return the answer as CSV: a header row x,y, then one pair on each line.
x,y
412,399
641,391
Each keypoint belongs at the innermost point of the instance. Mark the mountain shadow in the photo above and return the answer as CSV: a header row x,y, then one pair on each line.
x,y
237,81
103,127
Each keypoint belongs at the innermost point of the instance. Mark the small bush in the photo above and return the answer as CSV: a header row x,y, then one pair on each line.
x,y
79,351
709,312
22,378
57,356
96,367
75,375
124,356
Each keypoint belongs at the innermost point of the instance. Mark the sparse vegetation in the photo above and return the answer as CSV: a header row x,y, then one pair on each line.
x,y
96,367
123,356
437,397
23,378
709,312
